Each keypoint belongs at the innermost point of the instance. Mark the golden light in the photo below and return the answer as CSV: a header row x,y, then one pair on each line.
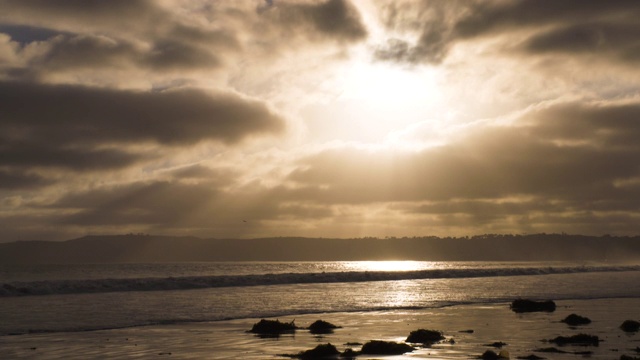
x,y
376,99
402,265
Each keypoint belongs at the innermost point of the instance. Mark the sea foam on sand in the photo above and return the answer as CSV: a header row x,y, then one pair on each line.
x,y
523,333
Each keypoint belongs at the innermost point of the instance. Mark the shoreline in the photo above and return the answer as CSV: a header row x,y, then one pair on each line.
x,y
227,339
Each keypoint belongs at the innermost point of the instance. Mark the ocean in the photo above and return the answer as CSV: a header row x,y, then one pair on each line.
x,y
64,298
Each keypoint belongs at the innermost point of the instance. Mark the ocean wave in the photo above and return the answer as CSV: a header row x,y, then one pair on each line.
x,y
54,287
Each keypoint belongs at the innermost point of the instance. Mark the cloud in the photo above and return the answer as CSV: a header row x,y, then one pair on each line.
x,y
27,155
99,52
565,157
548,27
13,180
90,15
156,37
68,113
616,41
148,204
191,116
336,19
562,166
77,127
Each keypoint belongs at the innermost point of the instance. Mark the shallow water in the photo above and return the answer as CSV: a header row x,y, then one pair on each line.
x,y
86,311
524,334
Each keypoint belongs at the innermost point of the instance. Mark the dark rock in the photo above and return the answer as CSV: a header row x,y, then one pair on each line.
x,y
349,354
423,336
492,355
575,320
497,344
531,357
377,347
325,351
580,339
630,326
466,331
272,327
524,305
627,357
488,355
583,353
319,352
322,327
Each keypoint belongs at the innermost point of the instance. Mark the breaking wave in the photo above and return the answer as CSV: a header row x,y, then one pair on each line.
x,y
52,287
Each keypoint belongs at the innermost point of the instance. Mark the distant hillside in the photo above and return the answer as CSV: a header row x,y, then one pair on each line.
x,y
146,248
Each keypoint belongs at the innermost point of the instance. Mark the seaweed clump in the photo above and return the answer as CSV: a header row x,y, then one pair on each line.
x,y
322,327
273,327
423,336
580,339
377,347
630,326
525,305
574,320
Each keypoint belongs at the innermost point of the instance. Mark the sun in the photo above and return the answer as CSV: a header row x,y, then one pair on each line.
x,y
389,84
374,100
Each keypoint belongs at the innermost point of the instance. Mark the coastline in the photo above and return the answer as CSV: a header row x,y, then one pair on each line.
x,y
228,339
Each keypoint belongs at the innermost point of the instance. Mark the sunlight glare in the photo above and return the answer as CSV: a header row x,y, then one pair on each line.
x,y
376,99
392,85
404,265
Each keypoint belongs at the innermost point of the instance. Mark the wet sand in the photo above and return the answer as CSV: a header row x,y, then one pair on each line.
x,y
524,333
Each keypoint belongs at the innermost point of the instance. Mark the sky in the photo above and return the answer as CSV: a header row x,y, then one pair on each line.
x,y
331,118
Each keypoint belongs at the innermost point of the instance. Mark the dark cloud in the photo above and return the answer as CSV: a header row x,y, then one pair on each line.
x,y
27,34
432,20
610,127
334,19
79,52
14,180
131,34
100,52
77,127
87,15
26,155
599,39
545,26
63,114
149,37
175,54
500,16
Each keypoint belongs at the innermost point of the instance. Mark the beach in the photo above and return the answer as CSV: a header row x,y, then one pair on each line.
x,y
468,329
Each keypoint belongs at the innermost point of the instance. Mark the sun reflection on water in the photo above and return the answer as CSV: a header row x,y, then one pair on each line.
x,y
388,265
